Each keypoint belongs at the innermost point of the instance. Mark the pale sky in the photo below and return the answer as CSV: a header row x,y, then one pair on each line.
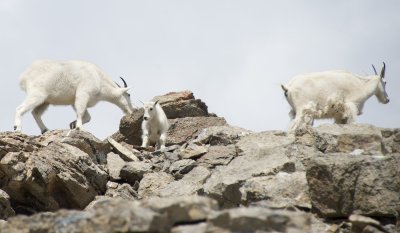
x,y
232,54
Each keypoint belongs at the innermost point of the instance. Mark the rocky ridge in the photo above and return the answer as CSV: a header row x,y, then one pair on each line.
x,y
212,177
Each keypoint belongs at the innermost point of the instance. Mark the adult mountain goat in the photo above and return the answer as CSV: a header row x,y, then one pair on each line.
x,y
77,83
333,94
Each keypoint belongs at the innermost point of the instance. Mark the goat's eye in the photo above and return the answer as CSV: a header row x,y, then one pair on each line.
x,y
129,95
151,109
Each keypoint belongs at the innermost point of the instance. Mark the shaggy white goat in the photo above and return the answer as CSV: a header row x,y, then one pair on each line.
x,y
77,83
333,94
154,125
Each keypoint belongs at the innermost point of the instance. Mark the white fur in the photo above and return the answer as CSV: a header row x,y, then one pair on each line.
x,y
154,126
77,83
333,94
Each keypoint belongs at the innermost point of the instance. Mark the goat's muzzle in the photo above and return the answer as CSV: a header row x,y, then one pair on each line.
x,y
145,118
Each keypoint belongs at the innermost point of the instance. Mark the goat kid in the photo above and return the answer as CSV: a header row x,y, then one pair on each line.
x,y
154,125
340,95
77,83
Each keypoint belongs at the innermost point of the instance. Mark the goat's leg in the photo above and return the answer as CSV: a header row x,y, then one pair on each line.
x,y
351,112
29,103
37,115
80,108
162,140
85,119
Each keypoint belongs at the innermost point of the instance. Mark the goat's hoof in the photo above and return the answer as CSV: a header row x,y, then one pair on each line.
x,y
44,131
72,125
15,127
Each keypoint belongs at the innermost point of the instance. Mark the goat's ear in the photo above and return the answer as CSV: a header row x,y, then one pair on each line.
x,y
124,90
383,70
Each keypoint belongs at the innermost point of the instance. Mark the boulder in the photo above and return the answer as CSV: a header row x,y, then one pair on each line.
x,y
391,141
283,190
256,219
221,135
348,138
124,191
17,142
133,172
152,184
56,176
183,130
190,184
6,210
192,151
181,104
343,184
114,165
181,167
218,156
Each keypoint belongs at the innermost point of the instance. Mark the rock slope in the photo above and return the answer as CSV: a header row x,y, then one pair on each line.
x,y
212,177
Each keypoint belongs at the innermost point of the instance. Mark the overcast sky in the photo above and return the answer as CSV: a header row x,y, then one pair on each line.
x,y
232,54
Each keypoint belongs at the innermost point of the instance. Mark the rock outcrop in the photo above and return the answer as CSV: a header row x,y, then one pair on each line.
x,y
212,177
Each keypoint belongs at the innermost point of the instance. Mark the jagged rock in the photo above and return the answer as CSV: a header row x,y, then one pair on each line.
x,y
279,191
218,155
130,128
181,167
192,151
183,130
56,176
17,142
153,183
86,142
342,184
181,104
192,228
124,191
256,219
221,135
183,209
260,154
359,223
107,216
6,210
391,140
133,172
114,165
125,153
348,138
190,184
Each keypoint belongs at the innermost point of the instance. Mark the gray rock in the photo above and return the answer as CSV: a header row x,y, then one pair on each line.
x,y
152,184
391,140
17,142
183,209
130,128
343,184
181,104
56,176
6,210
192,228
83,140
133,172
261,154
192,151
114,165
183,130
181,167
256,219
107,216
221,135
190,184
218,155
282,190
346,138
124,152
124,191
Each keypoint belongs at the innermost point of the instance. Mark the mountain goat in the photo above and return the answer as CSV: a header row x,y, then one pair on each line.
x,y
77,83
332,94
154,125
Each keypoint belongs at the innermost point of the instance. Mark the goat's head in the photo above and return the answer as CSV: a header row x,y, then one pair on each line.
x,y
150,110
380,92
124,98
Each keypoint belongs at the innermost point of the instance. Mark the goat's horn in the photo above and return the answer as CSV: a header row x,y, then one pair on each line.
x,y
383,70
117,84
376,73
123,80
